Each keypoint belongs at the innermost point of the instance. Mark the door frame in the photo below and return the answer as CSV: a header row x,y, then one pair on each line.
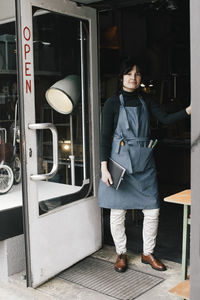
x,y
30,208
195,151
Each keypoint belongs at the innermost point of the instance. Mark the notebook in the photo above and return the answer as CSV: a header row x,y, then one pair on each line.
x,y
117,172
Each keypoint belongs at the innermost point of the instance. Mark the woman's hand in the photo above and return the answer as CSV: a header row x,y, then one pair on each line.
x,y
188,110
105,174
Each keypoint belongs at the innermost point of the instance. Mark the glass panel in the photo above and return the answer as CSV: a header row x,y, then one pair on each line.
x,y
61,59
10,166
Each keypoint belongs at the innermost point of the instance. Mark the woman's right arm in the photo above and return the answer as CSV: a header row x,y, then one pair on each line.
x,y
105,174
107,129
188,110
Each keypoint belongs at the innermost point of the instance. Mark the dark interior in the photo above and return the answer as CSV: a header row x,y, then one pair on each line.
x,y
158,34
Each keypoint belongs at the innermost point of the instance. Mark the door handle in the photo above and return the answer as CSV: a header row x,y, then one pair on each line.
x,y
53,130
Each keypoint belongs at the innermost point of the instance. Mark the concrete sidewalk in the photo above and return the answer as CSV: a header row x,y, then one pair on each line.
x,y
58,288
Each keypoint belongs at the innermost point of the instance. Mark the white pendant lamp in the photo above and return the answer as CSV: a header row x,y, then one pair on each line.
x,y
64,95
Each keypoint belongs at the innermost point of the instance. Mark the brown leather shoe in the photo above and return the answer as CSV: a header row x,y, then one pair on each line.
x,y
121,263
155,263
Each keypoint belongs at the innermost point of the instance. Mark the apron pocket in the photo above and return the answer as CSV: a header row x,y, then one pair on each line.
x,y
143,159
123,157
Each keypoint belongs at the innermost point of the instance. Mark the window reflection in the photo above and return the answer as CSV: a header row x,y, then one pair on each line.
x,y
10,165
61,52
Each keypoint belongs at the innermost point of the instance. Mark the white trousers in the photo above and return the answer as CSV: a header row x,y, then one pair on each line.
x,y
149,233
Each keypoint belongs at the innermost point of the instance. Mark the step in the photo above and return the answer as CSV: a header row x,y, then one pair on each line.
x,y
182,289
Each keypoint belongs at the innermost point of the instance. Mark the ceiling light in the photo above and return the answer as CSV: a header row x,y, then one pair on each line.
x,y
171,5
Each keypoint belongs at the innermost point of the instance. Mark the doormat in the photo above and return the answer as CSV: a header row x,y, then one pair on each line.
x,y
100,276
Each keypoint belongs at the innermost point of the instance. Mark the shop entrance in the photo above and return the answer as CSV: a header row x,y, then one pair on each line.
x,y
54,44
157,35
59,132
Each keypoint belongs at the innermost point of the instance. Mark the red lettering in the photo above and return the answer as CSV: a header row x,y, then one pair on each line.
x,y
27,33
27,69
27,49
28,86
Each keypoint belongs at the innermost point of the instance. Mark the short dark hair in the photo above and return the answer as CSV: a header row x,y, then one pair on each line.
x,y
128,64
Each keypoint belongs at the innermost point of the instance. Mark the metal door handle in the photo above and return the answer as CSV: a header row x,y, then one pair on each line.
x,y
55,150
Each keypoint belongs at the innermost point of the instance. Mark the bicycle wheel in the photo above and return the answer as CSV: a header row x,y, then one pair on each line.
x,y
16,167
6,179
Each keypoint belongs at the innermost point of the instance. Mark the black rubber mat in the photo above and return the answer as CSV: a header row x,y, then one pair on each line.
x,y
100,276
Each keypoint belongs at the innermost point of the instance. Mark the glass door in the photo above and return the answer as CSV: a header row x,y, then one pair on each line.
x,y
59,113
10,166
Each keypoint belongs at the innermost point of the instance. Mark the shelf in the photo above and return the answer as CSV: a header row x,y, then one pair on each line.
x,y
7,96
62,124
5,121
47,73
36,73
66,162
8,72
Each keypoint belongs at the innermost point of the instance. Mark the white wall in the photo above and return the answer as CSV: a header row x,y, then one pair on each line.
x,y
12,257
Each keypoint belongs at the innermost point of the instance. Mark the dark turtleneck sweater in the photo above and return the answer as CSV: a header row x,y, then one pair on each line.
x,y
110,116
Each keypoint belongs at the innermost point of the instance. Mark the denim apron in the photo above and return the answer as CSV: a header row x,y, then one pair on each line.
x,y
139,188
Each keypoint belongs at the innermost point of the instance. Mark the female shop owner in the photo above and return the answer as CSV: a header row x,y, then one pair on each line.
x,y
125,138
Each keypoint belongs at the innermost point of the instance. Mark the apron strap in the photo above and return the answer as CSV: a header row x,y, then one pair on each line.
x,y
121,98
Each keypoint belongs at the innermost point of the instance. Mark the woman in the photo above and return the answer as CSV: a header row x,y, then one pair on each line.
x,y
126,139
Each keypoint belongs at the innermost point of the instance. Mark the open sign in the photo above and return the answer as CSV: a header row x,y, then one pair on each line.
x,y
27,56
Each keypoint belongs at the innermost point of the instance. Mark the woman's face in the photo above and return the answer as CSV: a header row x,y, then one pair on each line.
x,y
131,80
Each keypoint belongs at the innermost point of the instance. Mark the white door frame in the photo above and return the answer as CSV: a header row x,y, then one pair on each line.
x,y
195,151
68,234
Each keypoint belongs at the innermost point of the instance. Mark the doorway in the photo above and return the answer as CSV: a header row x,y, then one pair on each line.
x,y
158,35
